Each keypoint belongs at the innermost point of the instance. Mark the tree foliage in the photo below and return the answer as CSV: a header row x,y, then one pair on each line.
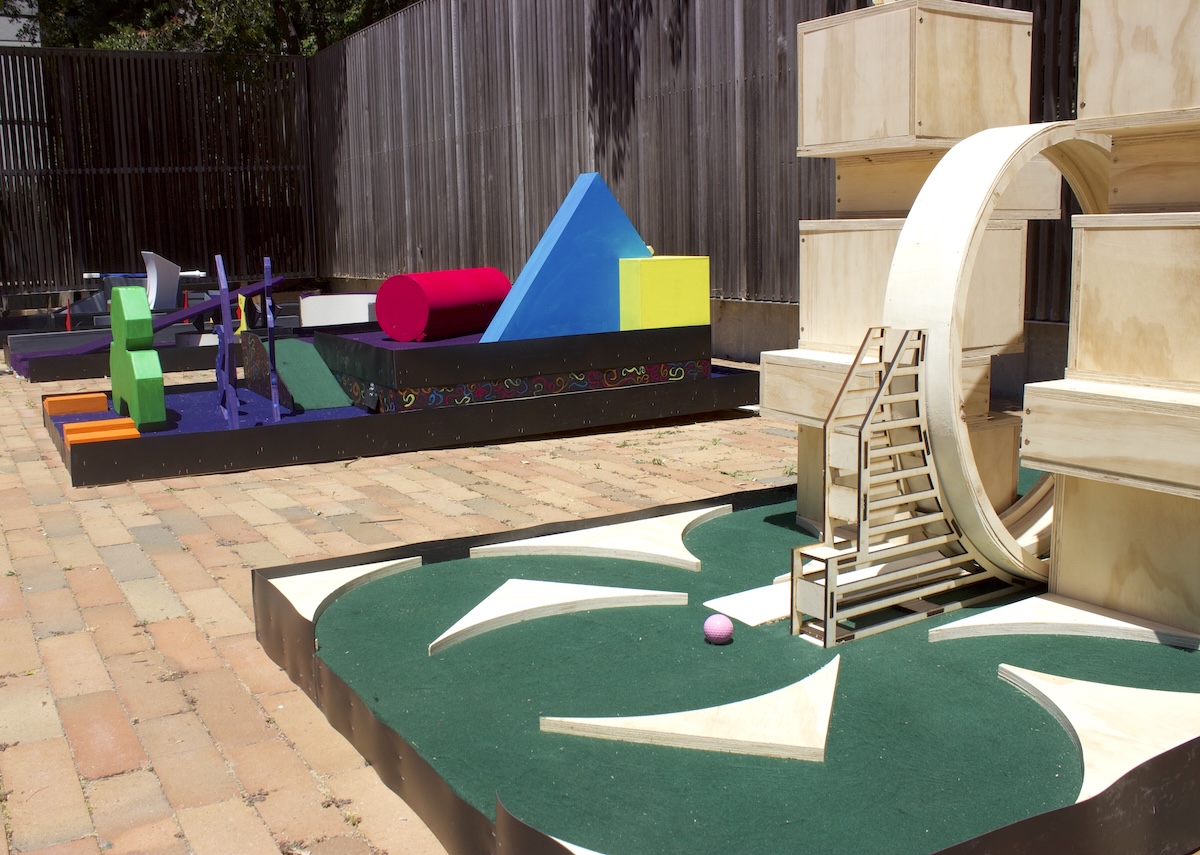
x,y
296,27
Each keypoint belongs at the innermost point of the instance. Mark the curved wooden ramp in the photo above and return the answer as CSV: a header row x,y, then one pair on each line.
x,y
311,592
1115,728
1051,614
520,600
791,723
658,540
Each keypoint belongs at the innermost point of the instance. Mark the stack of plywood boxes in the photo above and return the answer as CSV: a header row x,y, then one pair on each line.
x,y
1122,431
887,91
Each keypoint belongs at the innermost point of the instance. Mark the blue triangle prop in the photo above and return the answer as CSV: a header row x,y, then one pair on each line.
x,y
571,283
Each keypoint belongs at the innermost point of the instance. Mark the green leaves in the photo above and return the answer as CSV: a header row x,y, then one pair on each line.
x,y
295,27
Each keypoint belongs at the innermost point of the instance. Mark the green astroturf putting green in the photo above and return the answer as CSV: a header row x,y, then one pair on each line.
x,y
927,746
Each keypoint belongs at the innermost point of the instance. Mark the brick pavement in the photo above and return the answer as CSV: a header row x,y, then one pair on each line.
x,y
137,711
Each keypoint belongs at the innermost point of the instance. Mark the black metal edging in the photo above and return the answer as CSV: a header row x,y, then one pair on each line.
x,y
1152,810
289,639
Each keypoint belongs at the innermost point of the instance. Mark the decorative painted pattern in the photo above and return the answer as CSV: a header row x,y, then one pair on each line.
x,y
374,397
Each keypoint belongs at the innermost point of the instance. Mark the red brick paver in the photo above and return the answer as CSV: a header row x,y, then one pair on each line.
x,y
100,735
138,712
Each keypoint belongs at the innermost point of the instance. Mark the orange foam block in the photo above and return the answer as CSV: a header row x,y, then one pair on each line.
x,y
99,431
84,402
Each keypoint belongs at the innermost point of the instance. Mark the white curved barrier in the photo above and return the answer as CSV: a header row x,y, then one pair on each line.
x,y
927,289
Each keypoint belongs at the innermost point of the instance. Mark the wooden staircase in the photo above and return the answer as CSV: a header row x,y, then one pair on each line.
x,y
892,552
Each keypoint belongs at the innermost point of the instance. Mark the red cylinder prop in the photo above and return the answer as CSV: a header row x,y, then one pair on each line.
x,y
441,303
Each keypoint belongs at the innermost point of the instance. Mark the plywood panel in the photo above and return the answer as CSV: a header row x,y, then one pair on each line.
x,y
1139,61
995,444
1135,308
977,385
1155,172
800,385
971,73
843,276
844,268
995,316
810,473
926,72
1128,550
885,185
873,103
1142,436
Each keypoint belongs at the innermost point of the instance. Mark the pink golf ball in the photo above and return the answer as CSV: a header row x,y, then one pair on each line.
x,y
718,629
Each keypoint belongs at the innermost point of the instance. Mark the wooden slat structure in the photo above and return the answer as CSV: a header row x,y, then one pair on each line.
x,y
446,136
105,154
449,134
892,552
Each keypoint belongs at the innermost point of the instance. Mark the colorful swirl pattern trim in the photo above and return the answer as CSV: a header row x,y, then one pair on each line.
x,y
366,394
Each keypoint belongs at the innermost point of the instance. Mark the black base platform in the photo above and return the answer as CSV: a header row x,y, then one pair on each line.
x,y
260,447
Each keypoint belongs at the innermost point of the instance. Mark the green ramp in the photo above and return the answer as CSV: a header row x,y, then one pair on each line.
x,y
307,377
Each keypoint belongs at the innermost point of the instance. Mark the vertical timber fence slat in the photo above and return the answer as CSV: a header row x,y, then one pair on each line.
x,y
444,136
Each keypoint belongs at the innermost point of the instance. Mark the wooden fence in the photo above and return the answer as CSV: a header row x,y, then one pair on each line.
x,y
447,135
103,155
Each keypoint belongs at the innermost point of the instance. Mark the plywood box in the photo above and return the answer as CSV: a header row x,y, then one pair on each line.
x,y
995,445
800,385
844,267
1155,172
1139,63
1126,549
873,186
1143,436
910,74
1136,298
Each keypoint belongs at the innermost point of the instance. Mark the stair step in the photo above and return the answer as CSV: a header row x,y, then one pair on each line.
x,y
910,523
896,424
903,499
841,503
893,450
899,475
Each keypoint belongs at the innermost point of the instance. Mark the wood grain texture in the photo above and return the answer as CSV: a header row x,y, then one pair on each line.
x,y
844,267
519,600
1155,172
995,445
790,723
1109,723
928,285
1127,549
1134,308
800,385
927,73
1141,436
876,186
1139,63
1051,614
